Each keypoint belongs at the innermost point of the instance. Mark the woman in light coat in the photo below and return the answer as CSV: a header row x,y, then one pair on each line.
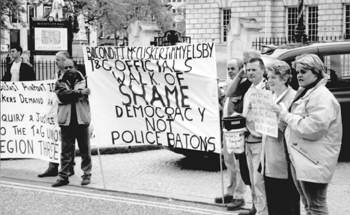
x,y
275,166
313,133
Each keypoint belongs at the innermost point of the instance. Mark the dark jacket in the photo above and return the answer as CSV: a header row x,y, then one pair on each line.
x,y
26,73
68,94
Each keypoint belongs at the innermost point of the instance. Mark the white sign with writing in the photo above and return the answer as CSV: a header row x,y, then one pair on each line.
x,y
265,119
29,126
50,39
155,95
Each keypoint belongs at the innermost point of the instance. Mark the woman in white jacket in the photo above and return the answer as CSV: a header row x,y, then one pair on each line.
x,y
313,133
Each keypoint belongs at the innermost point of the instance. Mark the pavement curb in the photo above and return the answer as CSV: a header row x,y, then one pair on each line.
x,y
122,149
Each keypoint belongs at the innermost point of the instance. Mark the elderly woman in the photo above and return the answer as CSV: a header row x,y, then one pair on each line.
x,y
278,179
313,133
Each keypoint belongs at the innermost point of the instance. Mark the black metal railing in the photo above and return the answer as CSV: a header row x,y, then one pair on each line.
x,y
260,42
44,70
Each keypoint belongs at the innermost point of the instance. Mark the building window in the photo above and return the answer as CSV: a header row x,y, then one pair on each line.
x,y
47,10
31,12
226,17
292,20
14,17
313,23
347,21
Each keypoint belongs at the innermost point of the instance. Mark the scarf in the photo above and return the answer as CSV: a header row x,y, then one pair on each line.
x,y
304,91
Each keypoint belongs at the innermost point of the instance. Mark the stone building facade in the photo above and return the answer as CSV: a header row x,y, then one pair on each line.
x,y
208,20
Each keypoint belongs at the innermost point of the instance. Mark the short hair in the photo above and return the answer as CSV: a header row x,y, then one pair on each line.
x,y
311,62
64,53
250,54
18,48
236,61
257,59
282,69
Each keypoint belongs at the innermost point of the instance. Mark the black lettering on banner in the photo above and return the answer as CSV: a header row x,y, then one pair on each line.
x,y
16,117
201,112
169,78
19,130
188,66
15,146
8,99
191,141
38,131
49,149
182,88
104,65
156,96
134,136
2,131
159,125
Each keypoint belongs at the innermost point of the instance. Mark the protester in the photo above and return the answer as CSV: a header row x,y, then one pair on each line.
x,y
275,167
74,119
234,197
18,70
52,170
313,134
255,70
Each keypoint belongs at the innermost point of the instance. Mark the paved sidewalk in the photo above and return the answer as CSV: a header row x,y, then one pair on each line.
x,y
159,173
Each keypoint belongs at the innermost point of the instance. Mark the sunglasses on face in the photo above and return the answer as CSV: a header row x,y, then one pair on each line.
x,y
231,68
68,67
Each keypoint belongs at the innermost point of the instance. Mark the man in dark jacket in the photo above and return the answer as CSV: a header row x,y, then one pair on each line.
x,y
18,70
74,119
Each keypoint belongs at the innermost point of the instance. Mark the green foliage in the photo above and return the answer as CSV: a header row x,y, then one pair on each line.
x,y
118,14
9,7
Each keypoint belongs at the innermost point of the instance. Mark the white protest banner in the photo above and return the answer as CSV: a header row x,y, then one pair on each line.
x,y
29,126
155,95
265,119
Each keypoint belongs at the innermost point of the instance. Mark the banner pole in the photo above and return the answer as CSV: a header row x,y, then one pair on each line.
x,y
222,176
101,167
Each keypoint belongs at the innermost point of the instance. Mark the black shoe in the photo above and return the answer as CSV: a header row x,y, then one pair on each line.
x,y
235,204
60,182
227,198
49,173
85,181
250,212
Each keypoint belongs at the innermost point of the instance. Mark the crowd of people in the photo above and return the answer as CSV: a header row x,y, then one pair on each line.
x,y
73,112
296,165
300,161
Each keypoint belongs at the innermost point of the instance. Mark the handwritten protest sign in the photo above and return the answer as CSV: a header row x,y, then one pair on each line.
x,y
155,95
265,119
28,126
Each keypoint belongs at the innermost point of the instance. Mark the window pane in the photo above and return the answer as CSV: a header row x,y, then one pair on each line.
x,y
338,66
292,22
347,21
313,23
226,13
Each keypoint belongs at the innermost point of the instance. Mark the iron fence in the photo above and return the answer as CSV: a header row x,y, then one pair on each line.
x,y
260,42
44,70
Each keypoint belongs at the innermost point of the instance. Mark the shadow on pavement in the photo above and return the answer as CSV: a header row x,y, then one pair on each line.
x,y
211,164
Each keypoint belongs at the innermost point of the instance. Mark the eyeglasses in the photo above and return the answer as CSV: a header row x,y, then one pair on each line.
x,y
68,67
231,68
